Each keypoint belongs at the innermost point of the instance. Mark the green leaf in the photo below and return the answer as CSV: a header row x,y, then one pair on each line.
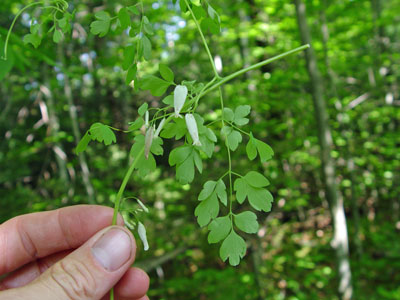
x,y
169,100
219,229
146,47
259,198
176,128
179,155
124,18
251,148
228,114
233,247
136,125
166,73
199,12
197,161
83,143
156,146
129,56
185,171
220,189
240,113
183,6
148,28
133,10
213,14
210,135
233,137
256,179
247,222
35,28
143,165
264,151
33,39
207,210
63,24
208,189
240,187
57,36
211,25
157,86
102,133
102,25
142,109
5,65
131,74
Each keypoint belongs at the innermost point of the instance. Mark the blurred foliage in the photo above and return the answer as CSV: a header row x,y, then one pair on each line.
x,y
292,257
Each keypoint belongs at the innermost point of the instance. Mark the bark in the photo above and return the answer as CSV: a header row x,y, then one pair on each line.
x,y
340,238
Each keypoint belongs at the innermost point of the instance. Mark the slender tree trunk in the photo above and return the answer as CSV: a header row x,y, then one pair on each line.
x,y
333,81
76,132
340,239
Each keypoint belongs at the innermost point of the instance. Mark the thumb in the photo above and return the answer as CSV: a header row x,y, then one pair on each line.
x,y
87,273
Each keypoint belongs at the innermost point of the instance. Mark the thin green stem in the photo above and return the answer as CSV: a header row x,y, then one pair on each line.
x,y
229,156
238,175
123,186
204,40
238,129
53,7
13,23
253,67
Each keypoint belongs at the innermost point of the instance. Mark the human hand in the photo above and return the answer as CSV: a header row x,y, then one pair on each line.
x,y
69,253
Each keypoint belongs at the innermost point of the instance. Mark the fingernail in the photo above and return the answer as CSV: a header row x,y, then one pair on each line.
x,y
113,249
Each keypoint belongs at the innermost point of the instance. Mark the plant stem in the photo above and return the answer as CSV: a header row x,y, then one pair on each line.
x,y
13,23
229,157
253,67
237,128
204,40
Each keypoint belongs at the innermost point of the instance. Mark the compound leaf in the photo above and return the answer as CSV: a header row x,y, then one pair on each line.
x,y
102,133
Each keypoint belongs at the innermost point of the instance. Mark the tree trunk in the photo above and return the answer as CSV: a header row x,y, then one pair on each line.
x,y
340,238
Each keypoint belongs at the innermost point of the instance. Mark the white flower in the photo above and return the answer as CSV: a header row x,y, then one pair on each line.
x,y
180,94
142,235
148,140
160,126
192,127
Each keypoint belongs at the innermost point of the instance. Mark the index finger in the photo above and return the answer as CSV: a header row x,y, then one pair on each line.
x,y
25,238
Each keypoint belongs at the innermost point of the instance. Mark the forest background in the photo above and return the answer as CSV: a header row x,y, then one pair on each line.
x,y
49,96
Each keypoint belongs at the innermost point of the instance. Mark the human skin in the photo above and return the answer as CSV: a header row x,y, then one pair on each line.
x,y
69,253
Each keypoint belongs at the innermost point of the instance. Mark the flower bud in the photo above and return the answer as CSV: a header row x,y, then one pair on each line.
x,y
180,94
142,236
192,128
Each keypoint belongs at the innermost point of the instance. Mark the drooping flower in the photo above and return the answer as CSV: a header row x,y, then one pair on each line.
x,y
142,235
192,128
148,140
180,94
